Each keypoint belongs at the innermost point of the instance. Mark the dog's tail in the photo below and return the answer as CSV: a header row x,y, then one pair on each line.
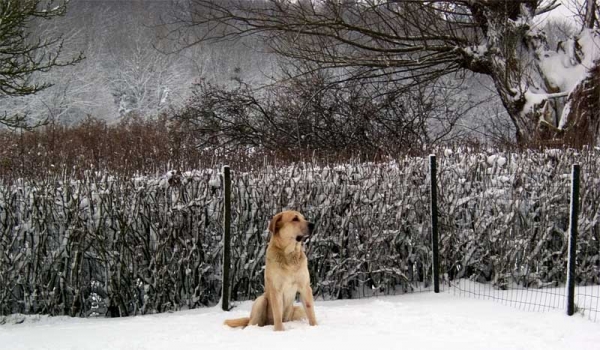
x,y
238,322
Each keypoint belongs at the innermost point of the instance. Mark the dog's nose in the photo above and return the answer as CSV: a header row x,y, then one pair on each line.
x,y
311,227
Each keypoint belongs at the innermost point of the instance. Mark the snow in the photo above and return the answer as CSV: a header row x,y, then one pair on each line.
x,y
566,73
565,116
477,52
533,100
561,67
496,159
412,321
589,40
561,72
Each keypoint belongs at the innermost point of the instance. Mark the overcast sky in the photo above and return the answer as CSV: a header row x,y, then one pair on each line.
x,y
568,8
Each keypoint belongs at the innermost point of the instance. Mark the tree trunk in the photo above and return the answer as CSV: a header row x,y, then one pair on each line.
x,y
583,118
533,82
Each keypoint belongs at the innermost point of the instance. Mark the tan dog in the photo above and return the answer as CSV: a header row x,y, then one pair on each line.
x,y
286,273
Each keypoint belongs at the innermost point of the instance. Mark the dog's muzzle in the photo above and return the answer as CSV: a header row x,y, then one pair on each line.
x,y
306,236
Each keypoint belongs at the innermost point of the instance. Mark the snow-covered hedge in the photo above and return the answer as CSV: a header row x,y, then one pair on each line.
x,y
128,246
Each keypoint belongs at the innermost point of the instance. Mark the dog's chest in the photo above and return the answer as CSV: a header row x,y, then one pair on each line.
x,y
287,274
290,280
290,285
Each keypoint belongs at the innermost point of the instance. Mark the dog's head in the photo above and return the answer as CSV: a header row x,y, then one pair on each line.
x,y
290,228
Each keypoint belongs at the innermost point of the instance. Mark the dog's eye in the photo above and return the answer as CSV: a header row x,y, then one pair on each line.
x,y
295,218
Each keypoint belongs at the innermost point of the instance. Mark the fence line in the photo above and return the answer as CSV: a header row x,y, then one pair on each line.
x,y
143,245
550,295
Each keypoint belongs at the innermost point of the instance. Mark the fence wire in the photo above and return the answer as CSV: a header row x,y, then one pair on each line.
x,y
371,234
143,245
516,211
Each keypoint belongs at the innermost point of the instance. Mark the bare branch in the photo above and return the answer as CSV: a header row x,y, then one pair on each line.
x,y
21,55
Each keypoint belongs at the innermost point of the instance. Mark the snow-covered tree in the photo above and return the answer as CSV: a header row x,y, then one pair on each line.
x,y
142,79
76,91
23,55
416,42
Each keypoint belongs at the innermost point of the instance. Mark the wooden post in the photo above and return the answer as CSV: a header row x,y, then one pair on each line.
x,y
434,231
225,291
572,240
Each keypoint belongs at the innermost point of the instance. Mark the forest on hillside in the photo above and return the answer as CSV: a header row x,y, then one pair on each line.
x,y
126,69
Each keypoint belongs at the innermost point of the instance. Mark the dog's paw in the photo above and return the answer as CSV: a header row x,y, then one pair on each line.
x,y
278,328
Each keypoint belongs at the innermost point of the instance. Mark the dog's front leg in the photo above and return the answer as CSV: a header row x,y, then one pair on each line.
x,y
309,304
276,300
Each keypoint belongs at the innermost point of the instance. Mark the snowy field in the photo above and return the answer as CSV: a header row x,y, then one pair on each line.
x,y
414,321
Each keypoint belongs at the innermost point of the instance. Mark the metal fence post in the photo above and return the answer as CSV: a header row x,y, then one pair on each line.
x,y
434,231
572,240
225,294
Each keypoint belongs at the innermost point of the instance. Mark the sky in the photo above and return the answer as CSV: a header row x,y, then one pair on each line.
x,y
568,8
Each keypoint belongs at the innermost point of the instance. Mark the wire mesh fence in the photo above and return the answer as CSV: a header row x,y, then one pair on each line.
x,y
587,301
533,299
358,248
514,214
125,246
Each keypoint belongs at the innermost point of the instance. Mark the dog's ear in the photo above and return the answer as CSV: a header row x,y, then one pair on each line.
x,y
274,224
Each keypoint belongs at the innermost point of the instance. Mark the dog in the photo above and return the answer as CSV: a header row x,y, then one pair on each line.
x,y
286,274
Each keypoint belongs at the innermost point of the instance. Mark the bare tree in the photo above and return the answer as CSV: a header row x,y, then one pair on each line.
x,y
77,91
22,56
142,79
416,42
313,113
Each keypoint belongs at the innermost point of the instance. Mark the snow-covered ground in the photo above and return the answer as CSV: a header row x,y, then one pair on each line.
x,y
414,321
